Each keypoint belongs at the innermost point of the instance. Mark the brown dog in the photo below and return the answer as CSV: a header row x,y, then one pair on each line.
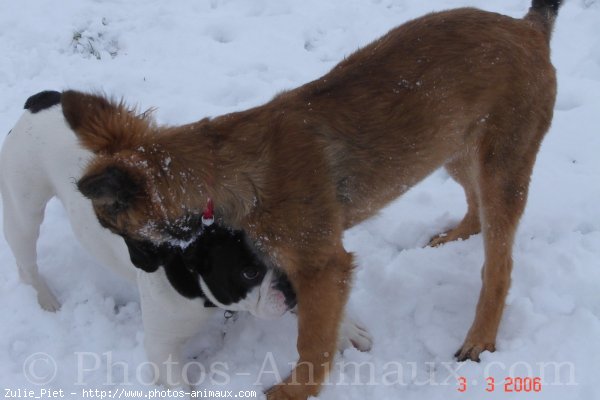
x,y
469,90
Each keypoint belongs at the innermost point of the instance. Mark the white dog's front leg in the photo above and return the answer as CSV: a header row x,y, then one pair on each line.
x,y
169,321
164,355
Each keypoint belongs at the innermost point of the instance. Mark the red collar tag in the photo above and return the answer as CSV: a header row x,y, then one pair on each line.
x,y
208,216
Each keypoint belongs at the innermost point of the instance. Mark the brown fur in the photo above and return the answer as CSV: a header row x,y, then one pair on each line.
x,y
469,90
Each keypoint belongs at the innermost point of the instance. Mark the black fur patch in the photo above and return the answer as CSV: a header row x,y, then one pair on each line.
x,y
226,263
230,266
553,5
149,257
222,257
42,101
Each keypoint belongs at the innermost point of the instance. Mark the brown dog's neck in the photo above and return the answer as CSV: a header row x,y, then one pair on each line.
x,y
223,162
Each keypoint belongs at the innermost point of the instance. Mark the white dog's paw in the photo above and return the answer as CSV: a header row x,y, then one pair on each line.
x,y
353,334
46,298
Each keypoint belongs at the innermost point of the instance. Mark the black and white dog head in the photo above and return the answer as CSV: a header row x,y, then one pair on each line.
x,y
221,266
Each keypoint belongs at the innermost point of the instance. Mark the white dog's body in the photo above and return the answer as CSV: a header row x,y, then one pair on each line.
x,y
40,159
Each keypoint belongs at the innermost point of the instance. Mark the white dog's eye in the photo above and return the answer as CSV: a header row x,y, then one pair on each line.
x,y
250,274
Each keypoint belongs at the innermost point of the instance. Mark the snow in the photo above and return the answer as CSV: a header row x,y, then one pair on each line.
x,y
192,59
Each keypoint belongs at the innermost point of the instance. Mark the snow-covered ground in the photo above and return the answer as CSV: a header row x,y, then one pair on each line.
x,y
196,58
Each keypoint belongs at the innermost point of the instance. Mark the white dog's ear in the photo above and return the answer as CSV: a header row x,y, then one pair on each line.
x,y
103,125
113,188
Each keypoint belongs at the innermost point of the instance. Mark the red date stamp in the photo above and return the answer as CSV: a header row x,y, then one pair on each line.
x,y
508,385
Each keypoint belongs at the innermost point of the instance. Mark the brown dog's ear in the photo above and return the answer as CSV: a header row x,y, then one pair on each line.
x,y
113,188
102,125
79,107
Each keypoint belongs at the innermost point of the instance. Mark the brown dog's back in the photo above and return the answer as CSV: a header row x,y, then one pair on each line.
x,y
379,122
407,103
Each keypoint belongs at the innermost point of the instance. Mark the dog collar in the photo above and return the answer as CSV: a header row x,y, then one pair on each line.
x,y
208,215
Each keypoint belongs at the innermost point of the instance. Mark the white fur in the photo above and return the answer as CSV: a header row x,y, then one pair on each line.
x,y
263,301
40,159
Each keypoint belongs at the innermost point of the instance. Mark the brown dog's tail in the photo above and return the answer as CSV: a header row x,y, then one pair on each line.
x,y
544,12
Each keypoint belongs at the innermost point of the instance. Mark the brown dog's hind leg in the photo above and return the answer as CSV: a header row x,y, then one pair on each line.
x,y
464,172
322,293
505,165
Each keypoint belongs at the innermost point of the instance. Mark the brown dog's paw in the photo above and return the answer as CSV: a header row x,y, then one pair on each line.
x,y
281,392
277,393
459,233
471,351
439,240
468,226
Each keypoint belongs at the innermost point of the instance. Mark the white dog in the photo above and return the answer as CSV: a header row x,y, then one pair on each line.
x,y
41,158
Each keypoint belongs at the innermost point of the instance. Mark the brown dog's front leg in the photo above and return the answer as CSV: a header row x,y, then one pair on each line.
x,y
322,293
